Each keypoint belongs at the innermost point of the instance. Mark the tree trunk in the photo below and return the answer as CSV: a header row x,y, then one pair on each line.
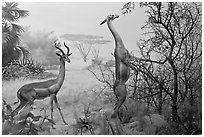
x,y
174,107
175,97
160,102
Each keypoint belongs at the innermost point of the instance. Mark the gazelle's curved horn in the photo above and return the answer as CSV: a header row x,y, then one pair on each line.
x,y
59,48
67,48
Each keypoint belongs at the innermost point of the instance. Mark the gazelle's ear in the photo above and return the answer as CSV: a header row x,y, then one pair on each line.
x,y
103,22
58,54
69,54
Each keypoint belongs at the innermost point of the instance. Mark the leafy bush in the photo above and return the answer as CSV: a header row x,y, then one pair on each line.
x,y
84,123
26,68
191,117
25,123
34,67
96,121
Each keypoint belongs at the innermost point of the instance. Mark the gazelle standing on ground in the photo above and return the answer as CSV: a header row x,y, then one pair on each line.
x,y
40,90
122,69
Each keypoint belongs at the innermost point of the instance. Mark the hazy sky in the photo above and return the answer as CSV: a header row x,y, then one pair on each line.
x,y
84,18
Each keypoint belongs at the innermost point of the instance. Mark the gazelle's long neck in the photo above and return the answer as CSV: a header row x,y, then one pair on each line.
x,y
61,76
118,40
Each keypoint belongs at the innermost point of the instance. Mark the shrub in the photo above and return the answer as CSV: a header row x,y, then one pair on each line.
x,y
26,68
83,123
132,108
25,123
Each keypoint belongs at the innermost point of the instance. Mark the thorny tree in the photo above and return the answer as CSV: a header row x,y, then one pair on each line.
x,y
84,50
174,32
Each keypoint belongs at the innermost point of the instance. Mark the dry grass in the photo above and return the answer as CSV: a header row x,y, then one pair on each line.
x,y
79,88
10,88
75,83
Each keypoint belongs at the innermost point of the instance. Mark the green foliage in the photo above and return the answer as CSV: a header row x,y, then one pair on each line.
x,y
172,35
94,121
191,116
25,68
128,7
133,108
25,123
85,123
11,32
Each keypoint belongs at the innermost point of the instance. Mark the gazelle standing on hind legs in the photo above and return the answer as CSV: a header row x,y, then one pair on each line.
x,y
40,90
122,67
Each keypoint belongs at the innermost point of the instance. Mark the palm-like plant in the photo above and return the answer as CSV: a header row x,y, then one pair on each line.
x,y
11,32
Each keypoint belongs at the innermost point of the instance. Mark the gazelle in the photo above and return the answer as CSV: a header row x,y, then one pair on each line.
x,y
40,90
122,69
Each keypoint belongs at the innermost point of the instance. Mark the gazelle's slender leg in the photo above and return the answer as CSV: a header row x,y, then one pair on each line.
x,y
51,106
117,108
81,130
22,104
120,93
51,109
58,107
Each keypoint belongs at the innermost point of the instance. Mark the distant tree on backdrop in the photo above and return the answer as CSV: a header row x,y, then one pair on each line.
x,y
85,43
11,32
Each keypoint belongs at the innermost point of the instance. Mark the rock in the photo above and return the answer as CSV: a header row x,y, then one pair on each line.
x,y
141,125
146,125
133,129
156,120
153,122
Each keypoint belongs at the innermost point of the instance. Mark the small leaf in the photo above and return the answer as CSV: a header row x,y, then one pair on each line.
x,y
36,127
3,116
45,127
47,124
4,102
25,131
51,121
33,129
33,132
17,128
8,109
30,115
36,118
6,127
